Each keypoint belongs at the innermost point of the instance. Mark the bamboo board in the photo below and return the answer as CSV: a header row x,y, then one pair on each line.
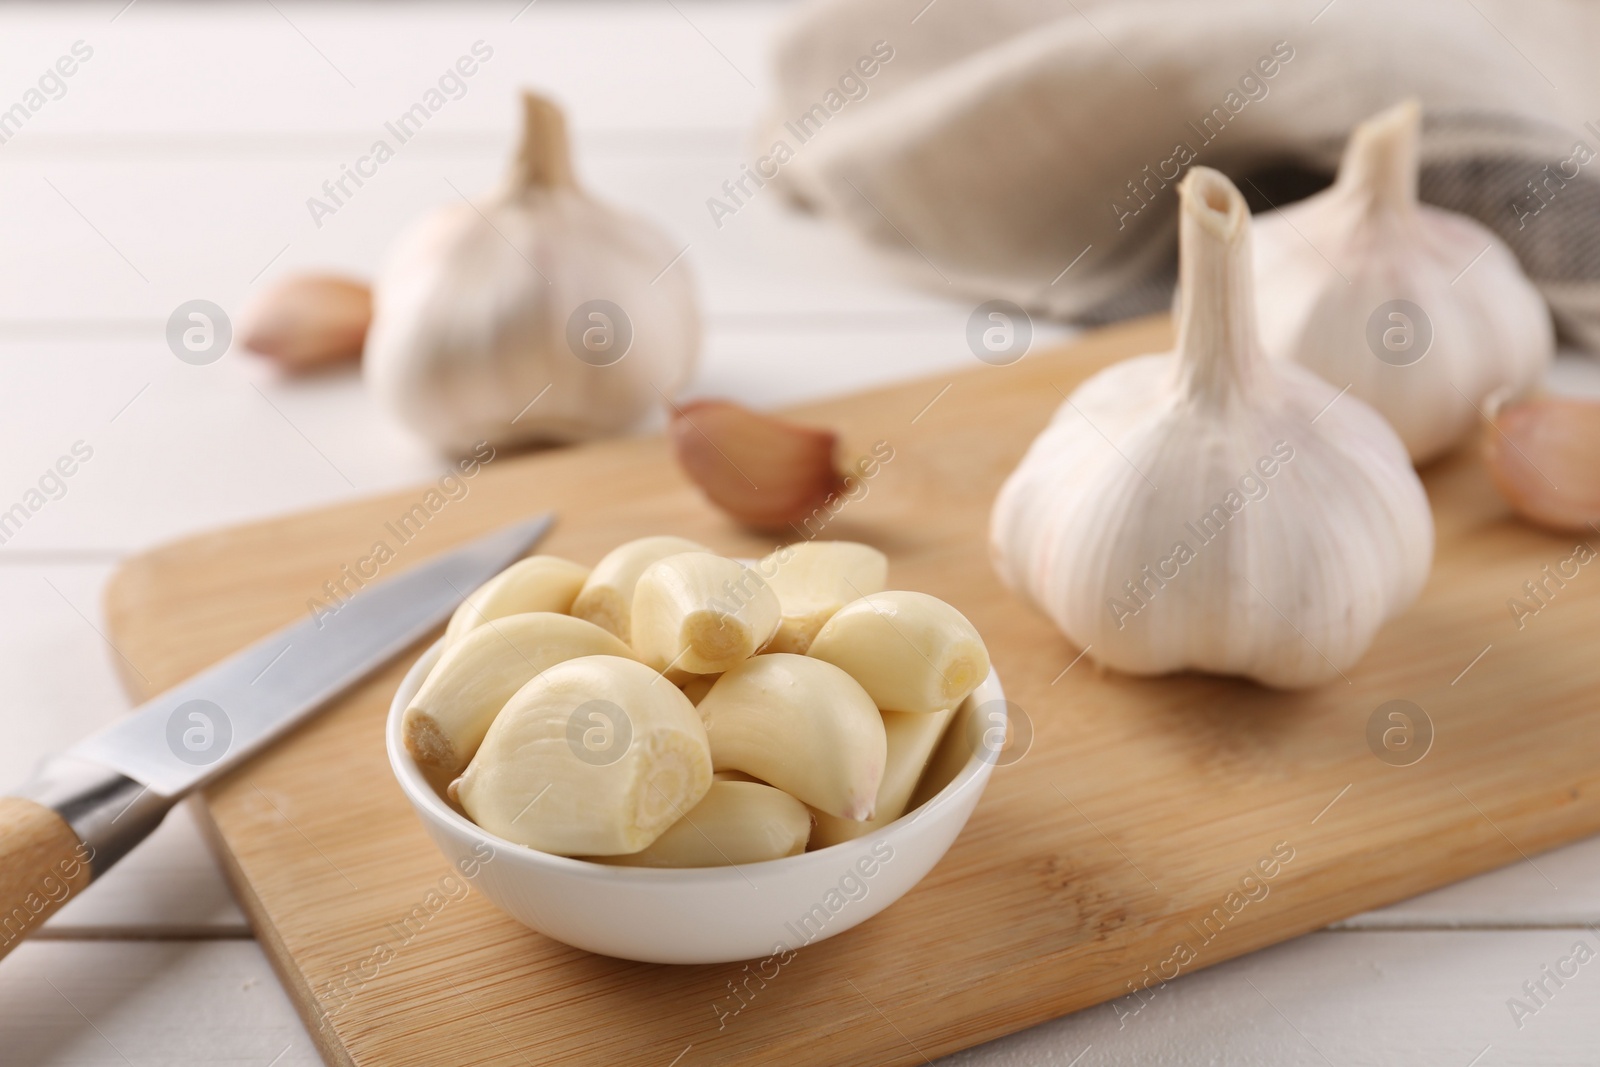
x,y
1114,853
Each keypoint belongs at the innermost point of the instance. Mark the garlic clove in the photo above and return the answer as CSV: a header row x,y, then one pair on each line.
x,y
606,598
537,780
736,822
308,321
538,583
910,651
813,580
1424,313
466,689
912,739
1544,457
536,313
1208,508
764,472
701,613
804,726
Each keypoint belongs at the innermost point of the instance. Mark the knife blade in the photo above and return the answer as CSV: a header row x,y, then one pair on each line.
x,y
110,790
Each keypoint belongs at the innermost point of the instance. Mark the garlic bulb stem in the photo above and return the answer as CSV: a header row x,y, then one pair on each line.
x,y
544,159
1219,354
1380,160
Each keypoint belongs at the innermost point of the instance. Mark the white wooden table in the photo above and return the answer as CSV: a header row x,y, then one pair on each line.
x,y
176,164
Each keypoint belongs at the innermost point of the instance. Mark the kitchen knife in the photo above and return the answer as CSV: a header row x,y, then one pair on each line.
x,y
86,808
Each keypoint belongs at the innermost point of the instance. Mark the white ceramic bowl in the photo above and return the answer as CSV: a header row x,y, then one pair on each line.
x,y
709,914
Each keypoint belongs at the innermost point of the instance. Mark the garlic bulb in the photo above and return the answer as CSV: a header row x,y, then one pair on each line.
x,y
1206,508
535,314
1424,313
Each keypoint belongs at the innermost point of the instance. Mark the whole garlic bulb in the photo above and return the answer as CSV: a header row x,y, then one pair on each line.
x,y
1424,313
536,314
1206,508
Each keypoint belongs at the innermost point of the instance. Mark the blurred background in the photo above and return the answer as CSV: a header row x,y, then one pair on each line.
x,y
157,155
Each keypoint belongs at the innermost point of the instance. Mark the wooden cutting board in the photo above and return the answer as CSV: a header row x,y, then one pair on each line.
x,y
1155,826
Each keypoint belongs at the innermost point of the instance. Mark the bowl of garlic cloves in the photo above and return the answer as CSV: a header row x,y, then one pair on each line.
x,y
680,757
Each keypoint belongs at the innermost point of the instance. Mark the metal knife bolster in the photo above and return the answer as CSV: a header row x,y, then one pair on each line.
x,y
109,812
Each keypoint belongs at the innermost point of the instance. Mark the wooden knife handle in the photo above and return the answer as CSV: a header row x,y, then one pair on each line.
x,y
42,864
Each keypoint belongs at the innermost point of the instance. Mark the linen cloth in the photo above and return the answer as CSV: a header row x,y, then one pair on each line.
x,y
1029,150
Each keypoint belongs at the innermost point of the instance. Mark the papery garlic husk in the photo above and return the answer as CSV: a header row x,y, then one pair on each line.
x,y
766,472
1544,456
1209,509
306,322
1424,313
535,314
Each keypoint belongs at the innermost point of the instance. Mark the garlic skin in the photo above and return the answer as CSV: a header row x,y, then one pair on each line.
x,y
1327,267
1541,455
765,472
482,308
307,322
1209,509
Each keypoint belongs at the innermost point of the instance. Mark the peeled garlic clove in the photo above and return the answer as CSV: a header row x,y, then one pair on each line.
x,y
1210,509
1544,457
538,583
910,651
912,739
701,613
1424,313
765,472
606,598
813,580
466,689
537,779
308,321
804,726
737,822
535,314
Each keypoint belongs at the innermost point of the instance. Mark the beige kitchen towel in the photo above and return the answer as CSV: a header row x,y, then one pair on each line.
x,y
1029,149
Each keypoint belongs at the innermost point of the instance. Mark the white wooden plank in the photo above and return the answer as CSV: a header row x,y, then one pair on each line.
x,y
57,671
1559,888
172,1003
55,667
97,239
178,448
160,68
168,887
